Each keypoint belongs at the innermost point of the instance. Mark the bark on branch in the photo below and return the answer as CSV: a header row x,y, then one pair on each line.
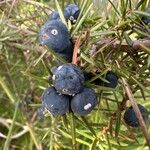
x,y
136,45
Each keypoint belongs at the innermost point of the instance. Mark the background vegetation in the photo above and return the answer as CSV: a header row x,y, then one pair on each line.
x,y
109,31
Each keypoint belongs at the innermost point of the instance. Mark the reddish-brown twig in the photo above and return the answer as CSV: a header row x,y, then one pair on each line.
x,y
75,51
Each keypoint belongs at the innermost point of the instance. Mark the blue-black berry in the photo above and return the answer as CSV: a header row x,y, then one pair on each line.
x,y
112,78
89,76
54,15
146,19
130,117
84,102
55,35
71,12
54,103
68,79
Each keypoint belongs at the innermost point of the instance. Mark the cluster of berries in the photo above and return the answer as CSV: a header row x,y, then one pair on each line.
x,y
68,93
55,34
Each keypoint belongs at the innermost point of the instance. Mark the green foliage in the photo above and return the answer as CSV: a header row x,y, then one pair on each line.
x,y
25,68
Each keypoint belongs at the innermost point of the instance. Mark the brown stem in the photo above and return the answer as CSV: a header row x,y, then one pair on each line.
x,y
75,51
137,45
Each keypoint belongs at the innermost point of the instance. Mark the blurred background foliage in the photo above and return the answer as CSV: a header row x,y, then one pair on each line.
x,y
25,70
